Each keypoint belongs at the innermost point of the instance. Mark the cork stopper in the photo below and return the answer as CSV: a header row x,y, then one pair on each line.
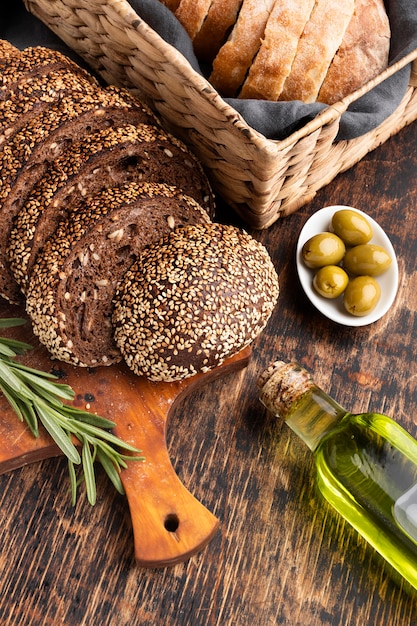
x,y
282,385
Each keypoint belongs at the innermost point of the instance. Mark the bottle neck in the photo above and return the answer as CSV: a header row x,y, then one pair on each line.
x,y
314,416
288,391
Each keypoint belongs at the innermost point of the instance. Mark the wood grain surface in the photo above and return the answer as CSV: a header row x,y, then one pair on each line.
x,y
280,556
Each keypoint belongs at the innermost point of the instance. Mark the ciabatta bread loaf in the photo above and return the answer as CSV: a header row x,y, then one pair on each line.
x,y
213,33
70,292
365,45
272,65
192,13
234,58
193,299
307,50
322,36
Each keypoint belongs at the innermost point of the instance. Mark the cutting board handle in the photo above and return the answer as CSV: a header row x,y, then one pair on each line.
x,y
169,524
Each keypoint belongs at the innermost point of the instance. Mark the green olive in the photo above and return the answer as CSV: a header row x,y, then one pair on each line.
x,y
361,295
330,281
323,249
352,227
368,259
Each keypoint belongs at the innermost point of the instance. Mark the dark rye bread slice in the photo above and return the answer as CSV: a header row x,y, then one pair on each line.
x,y
28,154
193,299
138,153
64,123
34,60
70,293
36,92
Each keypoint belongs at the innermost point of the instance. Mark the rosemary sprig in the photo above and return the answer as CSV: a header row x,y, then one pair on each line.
x,y
36,397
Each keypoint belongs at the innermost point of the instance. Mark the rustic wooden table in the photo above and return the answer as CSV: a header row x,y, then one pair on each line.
x,y
280,556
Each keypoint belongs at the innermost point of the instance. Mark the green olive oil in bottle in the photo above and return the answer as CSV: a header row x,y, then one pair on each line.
x,y
366,464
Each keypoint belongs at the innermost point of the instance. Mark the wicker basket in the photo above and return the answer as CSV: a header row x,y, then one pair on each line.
x,y
261,179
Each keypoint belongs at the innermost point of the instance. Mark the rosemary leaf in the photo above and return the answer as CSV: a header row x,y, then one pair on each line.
x,y
88,468
9,322
79,415
14,403
36,396
41,374
111,470
58,434
9,377
43,385
81,427
30,417
7,350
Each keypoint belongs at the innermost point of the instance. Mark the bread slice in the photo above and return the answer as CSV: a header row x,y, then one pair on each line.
x,y
35,60
273,63
26,154
215,29
365,45
191,14
69,298
33,94
105,158
318,44
193,299
235,57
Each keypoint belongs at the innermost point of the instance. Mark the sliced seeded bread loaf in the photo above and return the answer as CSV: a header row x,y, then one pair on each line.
x,y
105,158
70,293
7,50
35,93
196,297
27,154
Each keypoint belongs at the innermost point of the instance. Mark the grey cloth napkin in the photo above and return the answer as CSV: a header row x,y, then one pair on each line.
x,y
275,120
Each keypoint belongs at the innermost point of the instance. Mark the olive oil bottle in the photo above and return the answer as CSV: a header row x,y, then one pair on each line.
x,y
366,464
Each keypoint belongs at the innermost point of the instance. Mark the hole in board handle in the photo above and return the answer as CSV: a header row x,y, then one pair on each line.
x,y
171,523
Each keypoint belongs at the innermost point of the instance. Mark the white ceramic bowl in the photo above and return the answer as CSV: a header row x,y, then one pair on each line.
x,y
334,309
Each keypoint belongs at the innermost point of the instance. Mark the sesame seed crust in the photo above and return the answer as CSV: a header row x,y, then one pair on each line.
x,y
197,297
36,59
7,50
70,292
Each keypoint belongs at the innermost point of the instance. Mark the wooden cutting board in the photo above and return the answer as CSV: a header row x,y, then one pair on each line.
x,y
169,524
